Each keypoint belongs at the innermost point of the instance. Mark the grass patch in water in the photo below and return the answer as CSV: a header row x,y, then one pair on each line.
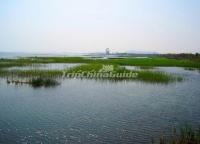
x,y
38,82
116,71
146,67
157,77
190,69
31,73
144,75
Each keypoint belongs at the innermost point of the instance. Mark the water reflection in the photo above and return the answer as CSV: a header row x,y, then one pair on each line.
x,y
51,66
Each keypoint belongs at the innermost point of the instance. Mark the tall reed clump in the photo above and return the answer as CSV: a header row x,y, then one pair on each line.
x,y
187,135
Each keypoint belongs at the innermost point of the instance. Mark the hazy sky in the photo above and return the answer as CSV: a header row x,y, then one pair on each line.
x,y
92,25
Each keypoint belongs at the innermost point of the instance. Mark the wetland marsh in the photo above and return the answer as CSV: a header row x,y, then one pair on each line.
x,y
89,110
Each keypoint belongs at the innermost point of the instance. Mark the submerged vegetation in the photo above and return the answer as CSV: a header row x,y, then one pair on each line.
x,y
38,82
146,67
187,135
35,82
31,73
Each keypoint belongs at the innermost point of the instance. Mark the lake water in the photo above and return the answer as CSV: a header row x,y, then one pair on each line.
x,y
89,111
14,55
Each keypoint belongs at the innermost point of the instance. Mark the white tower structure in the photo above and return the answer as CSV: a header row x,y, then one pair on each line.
x,y
107,51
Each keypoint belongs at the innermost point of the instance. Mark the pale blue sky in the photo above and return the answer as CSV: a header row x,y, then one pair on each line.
x,y
92,25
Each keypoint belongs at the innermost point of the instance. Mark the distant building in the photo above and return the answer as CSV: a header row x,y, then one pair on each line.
x,y
107,51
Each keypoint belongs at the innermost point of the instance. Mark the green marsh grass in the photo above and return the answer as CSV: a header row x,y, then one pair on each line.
x,y
152,61
149,62
157,77
142,75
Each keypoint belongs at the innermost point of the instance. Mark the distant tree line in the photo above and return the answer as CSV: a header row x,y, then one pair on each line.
x,y
190,56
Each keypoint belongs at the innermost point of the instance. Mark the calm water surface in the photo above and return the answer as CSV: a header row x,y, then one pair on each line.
x,y
89,111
